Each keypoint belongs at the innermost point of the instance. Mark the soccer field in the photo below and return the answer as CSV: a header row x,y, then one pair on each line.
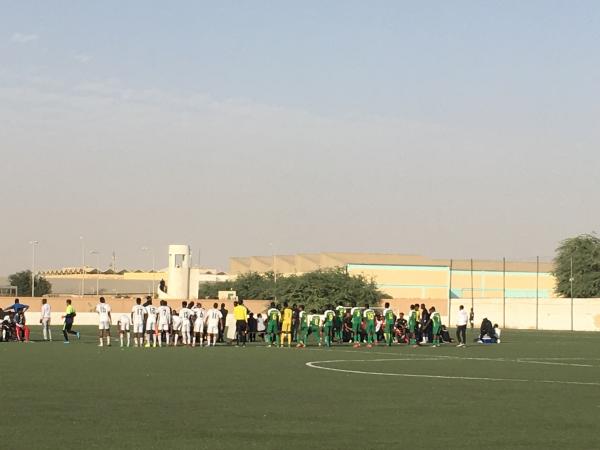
x,y
535,390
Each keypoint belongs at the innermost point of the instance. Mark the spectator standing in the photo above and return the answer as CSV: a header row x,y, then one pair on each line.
x,y
260,326
223,322
45,320
252,327
462,319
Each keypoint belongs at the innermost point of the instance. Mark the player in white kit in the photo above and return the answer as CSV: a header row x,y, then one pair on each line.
x,y
185,314
176,323
45,320
213,320
123,324
164,322
137,318
200,317
104,319
151,312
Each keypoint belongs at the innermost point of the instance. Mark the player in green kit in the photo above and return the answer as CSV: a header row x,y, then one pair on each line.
x,y
369,316
388,324
356,314
412,326
273,317
340,312
328,325
436,325
315,326
304,323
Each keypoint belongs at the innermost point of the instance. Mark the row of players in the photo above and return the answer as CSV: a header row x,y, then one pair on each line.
x,y
149,323
330,324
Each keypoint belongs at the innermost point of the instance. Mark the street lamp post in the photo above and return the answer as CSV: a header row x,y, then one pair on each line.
x,y
33,244
82,265
97,253
274,270
151,250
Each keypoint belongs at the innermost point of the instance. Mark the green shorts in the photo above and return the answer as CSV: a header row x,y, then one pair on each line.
x,y
272,327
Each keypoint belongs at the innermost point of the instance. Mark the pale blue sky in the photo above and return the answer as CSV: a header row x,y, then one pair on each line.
x,y
451,129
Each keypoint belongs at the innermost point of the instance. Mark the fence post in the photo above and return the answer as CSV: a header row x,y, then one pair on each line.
x,y
504,292
450,295
472,301
537,291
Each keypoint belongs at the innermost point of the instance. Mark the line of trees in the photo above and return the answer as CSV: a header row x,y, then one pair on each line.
x,y
313,289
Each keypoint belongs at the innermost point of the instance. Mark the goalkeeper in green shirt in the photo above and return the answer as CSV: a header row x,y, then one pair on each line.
x,y
369,316
389,321
356,313
273,317
340,312
328,325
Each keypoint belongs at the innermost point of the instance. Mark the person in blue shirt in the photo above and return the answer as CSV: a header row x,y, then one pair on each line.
x,y
17,306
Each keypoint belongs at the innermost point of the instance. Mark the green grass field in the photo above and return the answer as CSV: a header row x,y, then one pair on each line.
x,y
82,396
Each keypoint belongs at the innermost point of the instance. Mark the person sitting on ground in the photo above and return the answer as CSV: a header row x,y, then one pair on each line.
x,y
21,327
486,330
445,335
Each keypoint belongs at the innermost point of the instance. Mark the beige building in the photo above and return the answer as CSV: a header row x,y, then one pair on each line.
x,y
418,277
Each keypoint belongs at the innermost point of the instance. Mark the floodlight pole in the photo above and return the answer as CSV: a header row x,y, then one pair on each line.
x,y
97,253
33,244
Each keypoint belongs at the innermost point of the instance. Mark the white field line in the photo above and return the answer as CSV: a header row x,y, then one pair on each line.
x,y
315,365
473,358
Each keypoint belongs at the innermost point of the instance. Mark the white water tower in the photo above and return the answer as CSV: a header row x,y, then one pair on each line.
x,y
178,284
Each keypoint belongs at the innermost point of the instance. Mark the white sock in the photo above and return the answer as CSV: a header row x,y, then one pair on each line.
x,y
128,339
121,339
168,338
49,333
194,341
107,340
176,338
101,341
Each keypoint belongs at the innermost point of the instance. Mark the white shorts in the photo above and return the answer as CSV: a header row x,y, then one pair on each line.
x,y
150,326
138,327
185,326
45,320
212,328
162,326
177,327
104,325
199,326
125,327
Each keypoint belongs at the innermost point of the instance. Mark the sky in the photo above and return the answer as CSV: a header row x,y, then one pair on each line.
x,y
449,129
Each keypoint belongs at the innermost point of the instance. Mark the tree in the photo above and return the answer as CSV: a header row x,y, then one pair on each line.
x,y
313,289
22,280
584,253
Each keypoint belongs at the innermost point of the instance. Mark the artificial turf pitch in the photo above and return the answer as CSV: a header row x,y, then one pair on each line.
x,y
82,396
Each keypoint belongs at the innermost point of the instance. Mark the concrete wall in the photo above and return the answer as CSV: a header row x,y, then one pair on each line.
x,y
549,314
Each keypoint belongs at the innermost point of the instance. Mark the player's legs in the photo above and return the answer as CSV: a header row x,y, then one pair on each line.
x,y
356,334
